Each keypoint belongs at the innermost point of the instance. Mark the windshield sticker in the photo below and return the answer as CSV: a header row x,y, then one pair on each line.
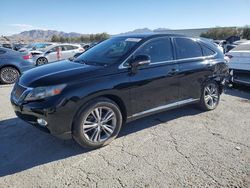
x,y
133,39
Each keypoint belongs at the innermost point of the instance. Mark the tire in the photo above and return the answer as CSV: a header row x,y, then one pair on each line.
x,y
9,75
41,61
210,96
87,126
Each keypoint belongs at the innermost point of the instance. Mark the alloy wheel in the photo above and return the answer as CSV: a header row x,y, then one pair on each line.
x,y
41,61
99,124
211,95
9,75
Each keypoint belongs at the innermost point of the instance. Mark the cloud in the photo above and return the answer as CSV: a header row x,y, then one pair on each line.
x,y
22,27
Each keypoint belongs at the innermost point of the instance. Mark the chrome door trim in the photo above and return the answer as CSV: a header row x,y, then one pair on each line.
x,y
175,104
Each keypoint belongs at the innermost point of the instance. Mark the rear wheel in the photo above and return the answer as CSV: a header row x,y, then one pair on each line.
x,y
98,123
210,96
9,75
41,61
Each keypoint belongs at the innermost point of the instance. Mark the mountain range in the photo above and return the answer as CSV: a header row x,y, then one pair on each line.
x,y
45,35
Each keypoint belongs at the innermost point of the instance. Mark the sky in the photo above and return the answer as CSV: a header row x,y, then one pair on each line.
x,y
117,16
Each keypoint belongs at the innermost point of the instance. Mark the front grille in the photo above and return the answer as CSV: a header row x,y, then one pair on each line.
x,y
18,91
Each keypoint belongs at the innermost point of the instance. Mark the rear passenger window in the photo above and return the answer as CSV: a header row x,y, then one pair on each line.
x,y
207,51
69,47
187,48
158,49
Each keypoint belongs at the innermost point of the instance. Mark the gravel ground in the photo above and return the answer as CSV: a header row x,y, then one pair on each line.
x,y
179,148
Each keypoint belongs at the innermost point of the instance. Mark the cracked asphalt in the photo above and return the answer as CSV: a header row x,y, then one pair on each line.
x,y
179,148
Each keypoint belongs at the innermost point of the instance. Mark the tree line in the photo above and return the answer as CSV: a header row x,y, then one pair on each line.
x,y
221,33
84,38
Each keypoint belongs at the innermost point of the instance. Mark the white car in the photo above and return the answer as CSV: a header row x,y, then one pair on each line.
x,y
56,52
239,63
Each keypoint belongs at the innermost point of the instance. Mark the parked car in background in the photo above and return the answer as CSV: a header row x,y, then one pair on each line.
x,y
12,64
85,46
119,80
239,64
50,53
18,46
222,44
35,46
7,45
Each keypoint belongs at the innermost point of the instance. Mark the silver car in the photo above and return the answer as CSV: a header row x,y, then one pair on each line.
x,y
56,52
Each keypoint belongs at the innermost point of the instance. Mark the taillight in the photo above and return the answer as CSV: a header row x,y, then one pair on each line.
x,y
81,49
26,57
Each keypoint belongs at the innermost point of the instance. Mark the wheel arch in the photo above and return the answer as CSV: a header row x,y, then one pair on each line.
x,y
218,80
41,58
113,97
10,65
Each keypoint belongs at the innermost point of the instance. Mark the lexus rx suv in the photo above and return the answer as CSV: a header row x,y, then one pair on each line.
x,y
119,80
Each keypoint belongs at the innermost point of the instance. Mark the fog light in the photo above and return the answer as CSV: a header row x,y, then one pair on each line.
x,y
42,122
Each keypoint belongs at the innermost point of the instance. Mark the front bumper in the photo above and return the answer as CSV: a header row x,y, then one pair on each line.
x,y
59,121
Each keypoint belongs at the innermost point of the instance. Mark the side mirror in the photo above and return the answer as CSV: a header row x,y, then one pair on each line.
x,y
139,61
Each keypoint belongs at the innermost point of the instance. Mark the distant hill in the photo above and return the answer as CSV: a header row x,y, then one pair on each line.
x,y
46,35
41,35
142,30
187,32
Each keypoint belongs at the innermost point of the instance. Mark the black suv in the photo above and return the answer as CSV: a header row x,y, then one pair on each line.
x,y
118,80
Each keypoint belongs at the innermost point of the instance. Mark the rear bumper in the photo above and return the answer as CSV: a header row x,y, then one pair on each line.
x,y
240,76
57,126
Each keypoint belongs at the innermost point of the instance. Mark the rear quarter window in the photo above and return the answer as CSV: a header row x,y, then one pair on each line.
x,y
207,51
187,48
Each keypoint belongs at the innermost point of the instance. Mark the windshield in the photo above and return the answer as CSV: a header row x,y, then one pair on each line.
x,y
30,45
38,45
109,51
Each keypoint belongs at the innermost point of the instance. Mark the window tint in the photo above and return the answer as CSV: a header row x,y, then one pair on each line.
x,y
74,47
187,48
109,51
53,49
68,47
158,50
64,48
207,51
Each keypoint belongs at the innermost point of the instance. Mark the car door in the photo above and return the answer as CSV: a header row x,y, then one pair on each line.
x,y
194,67
51,54
156,84
70,51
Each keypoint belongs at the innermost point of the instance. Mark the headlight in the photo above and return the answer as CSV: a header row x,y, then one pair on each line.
x,y
43,92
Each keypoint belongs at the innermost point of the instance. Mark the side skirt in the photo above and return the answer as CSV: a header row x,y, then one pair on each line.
x,y
163,108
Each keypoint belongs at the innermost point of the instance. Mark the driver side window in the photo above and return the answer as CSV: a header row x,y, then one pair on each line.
x,y
159,50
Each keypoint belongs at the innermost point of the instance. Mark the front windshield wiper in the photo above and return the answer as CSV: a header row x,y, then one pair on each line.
x,y
90,63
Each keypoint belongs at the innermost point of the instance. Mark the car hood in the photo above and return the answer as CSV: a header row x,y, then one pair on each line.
x,y
59,73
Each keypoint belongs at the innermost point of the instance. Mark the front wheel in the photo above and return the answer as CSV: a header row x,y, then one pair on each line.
x,y
210,96
9,75
98,123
